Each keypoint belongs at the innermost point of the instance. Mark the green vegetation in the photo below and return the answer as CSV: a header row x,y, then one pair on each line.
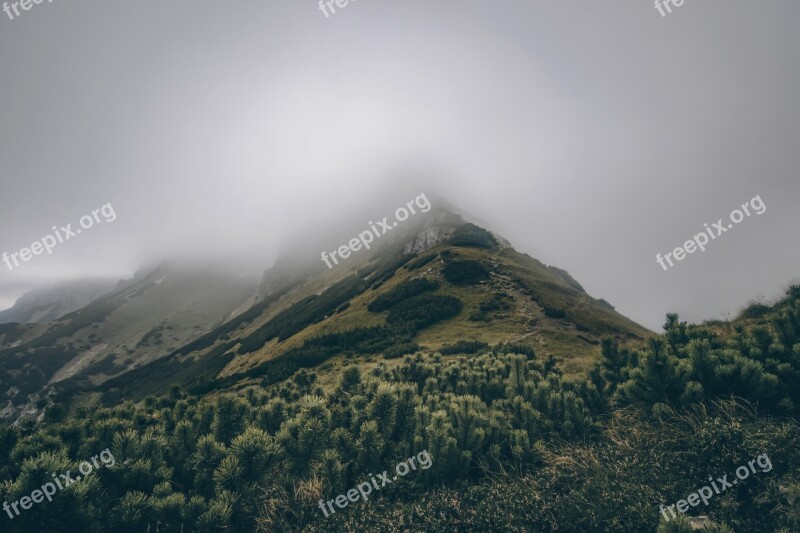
x,y
307,311
465,272
564,275
318,349
388,266
604,302
554,313
472,235
424,310
402,292
153,336
400,350
31,365
106,365
467,347
755,311
515,446
500,301
395,339
11,332
223,331
420,262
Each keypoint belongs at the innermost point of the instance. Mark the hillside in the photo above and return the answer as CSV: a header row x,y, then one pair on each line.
x,y
309,316
493,441
519,401
141,320
51,303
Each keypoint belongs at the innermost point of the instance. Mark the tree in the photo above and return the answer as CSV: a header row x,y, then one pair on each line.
x,y
228,419
656,380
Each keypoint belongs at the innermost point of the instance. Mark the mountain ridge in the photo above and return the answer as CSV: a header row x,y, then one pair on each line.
x,y
45,304
302,305
122,329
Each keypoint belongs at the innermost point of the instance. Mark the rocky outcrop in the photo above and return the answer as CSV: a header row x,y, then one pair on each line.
x,y
428,238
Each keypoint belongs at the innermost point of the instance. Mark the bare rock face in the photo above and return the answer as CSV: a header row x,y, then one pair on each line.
x,y
428,238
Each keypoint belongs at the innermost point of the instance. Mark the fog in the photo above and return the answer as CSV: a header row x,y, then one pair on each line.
x,y
592,135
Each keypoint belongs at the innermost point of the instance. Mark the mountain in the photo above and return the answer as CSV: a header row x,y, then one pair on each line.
x,y
141,320
51,303
448,281
503,396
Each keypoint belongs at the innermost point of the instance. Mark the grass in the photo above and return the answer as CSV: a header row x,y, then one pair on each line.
x,y
529,284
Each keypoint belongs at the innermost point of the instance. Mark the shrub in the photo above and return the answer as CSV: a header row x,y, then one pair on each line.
x,y
517,348
604,302
402,292
755,311
400,350
465,272
472,235
424,310
420,262
304,313
552,312
388,266
464,347
500,301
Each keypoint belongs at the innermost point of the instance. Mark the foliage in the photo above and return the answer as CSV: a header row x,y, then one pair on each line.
x,y
554,313
472,235
513,446
755,310
424,310
464,347
420,261
402,292
465,272
499,301
304,313
400,350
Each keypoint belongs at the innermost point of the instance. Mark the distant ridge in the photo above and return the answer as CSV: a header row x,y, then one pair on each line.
x,y
51,303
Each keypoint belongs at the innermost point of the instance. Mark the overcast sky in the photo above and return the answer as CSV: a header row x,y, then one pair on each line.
x,y
592,135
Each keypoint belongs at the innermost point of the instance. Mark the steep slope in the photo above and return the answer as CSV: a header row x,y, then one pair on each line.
x,y
140,321
51,303
448,281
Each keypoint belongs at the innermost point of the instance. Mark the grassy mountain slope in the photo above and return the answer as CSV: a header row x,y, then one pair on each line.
x,y
129,327
322,318
51,303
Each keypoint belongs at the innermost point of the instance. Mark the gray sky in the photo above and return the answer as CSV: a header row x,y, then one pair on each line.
x,y
592,135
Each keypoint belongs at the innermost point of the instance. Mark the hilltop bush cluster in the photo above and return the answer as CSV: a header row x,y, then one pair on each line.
x,y
472,235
